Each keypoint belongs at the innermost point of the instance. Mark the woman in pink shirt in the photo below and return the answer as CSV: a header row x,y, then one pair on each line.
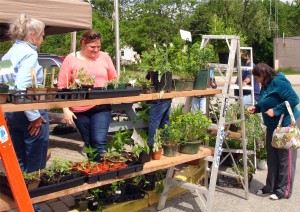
x,y
92,121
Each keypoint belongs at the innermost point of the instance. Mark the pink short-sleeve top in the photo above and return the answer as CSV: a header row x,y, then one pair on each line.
x,y
101,68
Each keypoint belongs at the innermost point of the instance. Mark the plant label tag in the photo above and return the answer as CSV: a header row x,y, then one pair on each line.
x,y
3,134
137,138
6,67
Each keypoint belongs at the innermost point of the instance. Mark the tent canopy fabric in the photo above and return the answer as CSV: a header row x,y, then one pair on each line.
x,y
59,16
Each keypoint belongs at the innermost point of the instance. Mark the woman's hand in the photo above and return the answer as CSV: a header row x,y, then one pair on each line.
x,y
270,112
251,109
35,126
68,116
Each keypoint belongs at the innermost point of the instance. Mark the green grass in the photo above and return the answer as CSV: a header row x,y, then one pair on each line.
x,y
289,71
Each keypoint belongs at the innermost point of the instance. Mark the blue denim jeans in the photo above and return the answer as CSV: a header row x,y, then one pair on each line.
x,y
93,128
158,116
198,103
31,151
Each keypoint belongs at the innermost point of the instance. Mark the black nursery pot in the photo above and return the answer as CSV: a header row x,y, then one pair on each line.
x,y
150,179
165,83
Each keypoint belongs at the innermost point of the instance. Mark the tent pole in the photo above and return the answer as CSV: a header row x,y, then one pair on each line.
x,y
73,42
117,36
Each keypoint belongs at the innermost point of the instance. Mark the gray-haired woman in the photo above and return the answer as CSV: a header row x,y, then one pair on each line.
x,y
29,129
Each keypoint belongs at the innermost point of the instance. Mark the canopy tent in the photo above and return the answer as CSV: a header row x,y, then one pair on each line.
x,y
59,16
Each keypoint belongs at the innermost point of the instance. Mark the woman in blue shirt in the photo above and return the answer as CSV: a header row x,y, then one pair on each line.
x,y
29,129
275,89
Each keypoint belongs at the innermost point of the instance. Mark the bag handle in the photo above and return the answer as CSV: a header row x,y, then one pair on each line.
x,y
287,104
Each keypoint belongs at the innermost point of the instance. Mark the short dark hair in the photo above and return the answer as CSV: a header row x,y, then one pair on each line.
x,y
265,71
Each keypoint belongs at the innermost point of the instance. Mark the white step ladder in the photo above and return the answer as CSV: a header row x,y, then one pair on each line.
x,y
206,193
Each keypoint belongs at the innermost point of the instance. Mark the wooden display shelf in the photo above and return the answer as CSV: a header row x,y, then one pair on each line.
x,y
7,203
10,107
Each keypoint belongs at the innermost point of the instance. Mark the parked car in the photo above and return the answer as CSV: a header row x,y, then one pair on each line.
x,y
48,60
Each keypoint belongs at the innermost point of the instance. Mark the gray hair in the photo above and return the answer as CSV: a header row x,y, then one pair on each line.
x,y
23,26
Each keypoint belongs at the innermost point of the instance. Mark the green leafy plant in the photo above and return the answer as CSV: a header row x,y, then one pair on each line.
x,y
91,152
157,140
112,84
119,139
193,126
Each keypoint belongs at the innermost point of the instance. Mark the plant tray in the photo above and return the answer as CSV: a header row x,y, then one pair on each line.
x,y
108,175
21,97
57,187
91,178
131,169
102,93
49,188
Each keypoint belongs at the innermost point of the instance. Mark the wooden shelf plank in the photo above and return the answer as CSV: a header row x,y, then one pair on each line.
x,y
10,107
7,203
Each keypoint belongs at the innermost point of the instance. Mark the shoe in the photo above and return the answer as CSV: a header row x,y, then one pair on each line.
x,y
274,197
262,193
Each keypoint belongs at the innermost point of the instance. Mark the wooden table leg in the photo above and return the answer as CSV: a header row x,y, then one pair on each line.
x,y
164,195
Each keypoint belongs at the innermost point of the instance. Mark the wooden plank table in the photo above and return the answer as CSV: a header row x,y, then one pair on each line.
x,y
7,203
10,107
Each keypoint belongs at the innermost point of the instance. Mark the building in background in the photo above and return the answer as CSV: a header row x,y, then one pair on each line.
x,y
286,52
129,56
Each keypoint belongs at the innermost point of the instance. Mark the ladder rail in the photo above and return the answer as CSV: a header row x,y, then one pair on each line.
x,y
234,52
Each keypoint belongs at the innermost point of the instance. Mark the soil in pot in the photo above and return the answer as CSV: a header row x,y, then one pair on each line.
x,y
190,147
170,150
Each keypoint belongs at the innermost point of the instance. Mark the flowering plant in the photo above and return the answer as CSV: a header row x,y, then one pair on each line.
x,y
261,151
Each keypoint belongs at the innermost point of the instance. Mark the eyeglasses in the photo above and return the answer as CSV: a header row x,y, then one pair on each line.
x,y
94,36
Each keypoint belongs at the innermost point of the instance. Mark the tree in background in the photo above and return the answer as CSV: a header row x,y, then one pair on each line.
x,y
145,22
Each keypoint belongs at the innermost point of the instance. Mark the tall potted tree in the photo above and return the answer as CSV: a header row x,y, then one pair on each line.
x,y
156,62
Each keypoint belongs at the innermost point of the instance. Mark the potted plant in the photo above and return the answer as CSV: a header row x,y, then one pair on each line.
x,y
261,155
171,138
199,66
81,201
142,151
145,84
193,131
157,146
156,62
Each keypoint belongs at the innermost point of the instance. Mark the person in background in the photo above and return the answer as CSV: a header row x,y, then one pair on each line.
x,y
246,77
29,130
199,102
275,90
159,113
92,121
